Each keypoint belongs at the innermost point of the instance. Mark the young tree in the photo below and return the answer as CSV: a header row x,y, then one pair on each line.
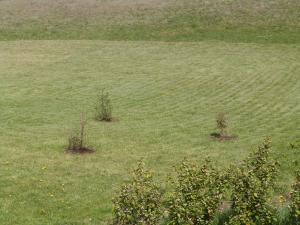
x,y
104,107
77,138
222,124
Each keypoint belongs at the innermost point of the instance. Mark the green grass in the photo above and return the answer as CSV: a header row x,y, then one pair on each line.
x,y
165,96
249,21
261,35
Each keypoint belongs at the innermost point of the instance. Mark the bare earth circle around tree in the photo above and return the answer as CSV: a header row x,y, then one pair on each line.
x,y
83,150
219,137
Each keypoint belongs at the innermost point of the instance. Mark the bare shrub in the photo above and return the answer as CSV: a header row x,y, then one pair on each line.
x,y
77,138
104,107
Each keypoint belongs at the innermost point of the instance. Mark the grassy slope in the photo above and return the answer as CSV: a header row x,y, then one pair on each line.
x,y
166,96
276,21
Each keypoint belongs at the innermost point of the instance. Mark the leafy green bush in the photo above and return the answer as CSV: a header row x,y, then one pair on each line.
x,y
139,201
295,200
198,194
251,185
104,107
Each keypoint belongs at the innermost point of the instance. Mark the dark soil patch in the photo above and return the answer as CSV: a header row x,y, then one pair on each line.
x,y
111,120
219,137
83,150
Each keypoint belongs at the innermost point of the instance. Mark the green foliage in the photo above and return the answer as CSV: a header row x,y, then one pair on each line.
x,y
222,124
251,186
198,194
139,201
295,200
104,107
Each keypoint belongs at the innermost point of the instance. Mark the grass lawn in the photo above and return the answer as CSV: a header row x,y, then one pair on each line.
x,y
165,97
247,21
